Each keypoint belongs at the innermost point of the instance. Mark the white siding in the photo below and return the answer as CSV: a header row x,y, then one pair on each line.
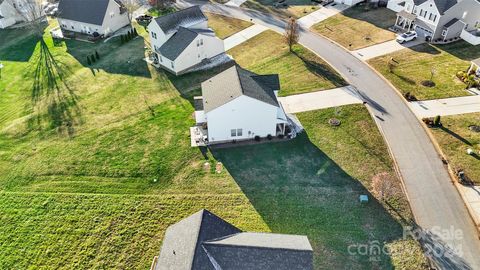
x,y
193,54
254,117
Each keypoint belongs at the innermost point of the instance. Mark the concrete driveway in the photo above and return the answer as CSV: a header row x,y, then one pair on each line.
x,y
321,14
384,48
447,106
435,202
242,36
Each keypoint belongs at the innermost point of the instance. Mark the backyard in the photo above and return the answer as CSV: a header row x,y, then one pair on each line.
x,y
409,67
300,71
96,163
225,26
357,27
455,137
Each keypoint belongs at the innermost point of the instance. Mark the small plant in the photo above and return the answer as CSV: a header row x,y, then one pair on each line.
x,y
257,138
93,58
135,33
89,62
436,121
97,55
269,137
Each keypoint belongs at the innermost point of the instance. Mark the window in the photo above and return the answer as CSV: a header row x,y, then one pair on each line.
x,y
444,32
172,65
430,17
435,18
198,55
198,42
161,58
201,41
154,35
236,132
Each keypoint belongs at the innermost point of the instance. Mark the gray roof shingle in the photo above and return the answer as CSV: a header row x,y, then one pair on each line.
x,y
185,17
86,11
235,82
176,44
204,241
442,5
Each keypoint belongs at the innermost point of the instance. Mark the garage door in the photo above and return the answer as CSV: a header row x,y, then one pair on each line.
x,y
423,32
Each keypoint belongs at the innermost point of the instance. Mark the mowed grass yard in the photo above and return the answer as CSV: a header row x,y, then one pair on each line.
x,y
455,138
95,168
357,27
416,64
225,26
288,8
300,71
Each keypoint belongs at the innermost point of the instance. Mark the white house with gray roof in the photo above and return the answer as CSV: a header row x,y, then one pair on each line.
x,y
440,20
203,241
236,105
92,16
182,40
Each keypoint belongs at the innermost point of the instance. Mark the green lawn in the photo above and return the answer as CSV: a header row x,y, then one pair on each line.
x,y
288,8
95,169
225,26
415,65
300,71
455,138
357,27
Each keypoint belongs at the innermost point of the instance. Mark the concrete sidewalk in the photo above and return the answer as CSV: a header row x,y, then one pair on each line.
x,y
447,106
320,15
243,36
235,3
384,48
319,100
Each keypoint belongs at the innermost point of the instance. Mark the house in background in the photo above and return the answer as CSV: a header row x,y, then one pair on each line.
x,y
16,11
92,17
236,105
204,241
439,20
182,40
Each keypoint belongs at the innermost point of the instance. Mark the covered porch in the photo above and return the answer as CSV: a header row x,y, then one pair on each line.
x,y
405,20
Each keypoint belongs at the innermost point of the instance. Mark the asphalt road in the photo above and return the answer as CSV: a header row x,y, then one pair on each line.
x,y
439,211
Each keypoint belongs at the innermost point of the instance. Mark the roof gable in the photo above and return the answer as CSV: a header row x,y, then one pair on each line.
x,y
176,44
235,82
182,18
86,11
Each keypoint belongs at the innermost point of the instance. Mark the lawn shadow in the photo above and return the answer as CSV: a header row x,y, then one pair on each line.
x,y
298,189
52,98
19,44
462,50
455,135
425,48
115,58
380,17
405,79
322,70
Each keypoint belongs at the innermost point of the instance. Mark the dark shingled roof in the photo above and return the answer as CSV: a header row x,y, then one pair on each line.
x,y
442,5
177,43
86,11
207,242
185,17
235,82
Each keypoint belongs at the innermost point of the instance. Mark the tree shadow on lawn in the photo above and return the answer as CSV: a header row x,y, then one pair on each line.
x,y
462,50
322,70
455,135
52,98
298,189
115,58
18,45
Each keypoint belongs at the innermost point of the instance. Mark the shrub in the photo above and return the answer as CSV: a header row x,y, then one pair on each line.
x,y
97,55
135,33
436,121
89,62
257,138
93,58
280,136
269,137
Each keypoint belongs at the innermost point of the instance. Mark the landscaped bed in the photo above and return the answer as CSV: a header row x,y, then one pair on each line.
x,y
356,27
407,69
225,26
94,171
300,71
285,8
456,136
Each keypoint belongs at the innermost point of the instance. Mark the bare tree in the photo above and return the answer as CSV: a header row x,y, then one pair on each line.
x,y
31,13
130,6
161,4
292,33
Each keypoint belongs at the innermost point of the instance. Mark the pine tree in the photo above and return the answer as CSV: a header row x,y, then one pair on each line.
x,y
93,58
89,62
97,55
135,33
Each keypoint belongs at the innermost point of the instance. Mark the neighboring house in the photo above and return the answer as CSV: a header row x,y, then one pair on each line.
x,y
439,20
236,105
15,11
204,241
349,2
92,16
182,40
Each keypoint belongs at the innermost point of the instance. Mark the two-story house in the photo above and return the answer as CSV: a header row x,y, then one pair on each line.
x,y
439,20
88,17
182,40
